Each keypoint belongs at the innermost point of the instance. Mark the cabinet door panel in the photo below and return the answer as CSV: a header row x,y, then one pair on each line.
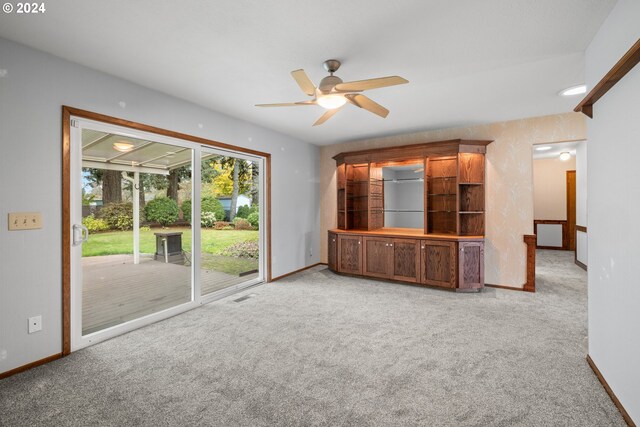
x,y
406,260
438,263
332,251
350,254
471,265
376,257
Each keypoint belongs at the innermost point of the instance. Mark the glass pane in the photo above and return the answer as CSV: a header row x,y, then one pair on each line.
x,y
230,220
122,279
404,196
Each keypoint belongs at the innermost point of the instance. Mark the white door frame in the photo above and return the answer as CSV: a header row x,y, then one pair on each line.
x,y
79,341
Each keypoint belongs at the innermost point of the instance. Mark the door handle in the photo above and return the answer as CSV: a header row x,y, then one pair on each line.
x,y
82,231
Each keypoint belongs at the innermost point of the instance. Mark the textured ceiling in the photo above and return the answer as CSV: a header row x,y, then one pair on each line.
x,y
468,61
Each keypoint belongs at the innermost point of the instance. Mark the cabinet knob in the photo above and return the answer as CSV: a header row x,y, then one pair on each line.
x,y
358,241
333,240
422,247
386,244
461,249
391,244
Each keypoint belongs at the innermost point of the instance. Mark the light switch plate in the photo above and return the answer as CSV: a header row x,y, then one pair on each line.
x,y
35,324
25,221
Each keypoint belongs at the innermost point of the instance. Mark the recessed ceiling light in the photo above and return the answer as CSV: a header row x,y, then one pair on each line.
x,y
565,155
543,148
574,90
123,146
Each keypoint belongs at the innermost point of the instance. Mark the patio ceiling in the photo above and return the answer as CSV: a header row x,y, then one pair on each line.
x,y
98,151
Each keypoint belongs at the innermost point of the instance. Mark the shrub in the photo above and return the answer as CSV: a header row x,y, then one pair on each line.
x,y
207,219
208,204
254,220
94,224
118,215
211,204
163,210
244,211
186,210
247,249
145,228
241,224
222,225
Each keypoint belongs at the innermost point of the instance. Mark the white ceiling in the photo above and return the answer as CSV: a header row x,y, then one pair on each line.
x,y
468,61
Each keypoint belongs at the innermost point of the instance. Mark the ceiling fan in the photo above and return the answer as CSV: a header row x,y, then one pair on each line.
x,y
333,93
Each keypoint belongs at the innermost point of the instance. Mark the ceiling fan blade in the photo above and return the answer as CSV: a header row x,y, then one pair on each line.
x,y
326,116
304,82
361,85
368,104
287,104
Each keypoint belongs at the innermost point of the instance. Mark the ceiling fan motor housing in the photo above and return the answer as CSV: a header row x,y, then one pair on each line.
x,y
328,83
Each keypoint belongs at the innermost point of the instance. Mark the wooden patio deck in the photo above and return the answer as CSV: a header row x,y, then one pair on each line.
x,y
115,290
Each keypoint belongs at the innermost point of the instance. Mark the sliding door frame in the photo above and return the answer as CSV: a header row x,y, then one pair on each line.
x,y
67,113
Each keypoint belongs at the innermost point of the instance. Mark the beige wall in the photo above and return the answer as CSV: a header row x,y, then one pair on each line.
x,y
550,187
509,189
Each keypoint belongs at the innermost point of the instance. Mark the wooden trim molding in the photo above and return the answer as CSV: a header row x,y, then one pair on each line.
x,y
612,395
565,233
622,67
575,258
66,231
298,271
510,288
530,285
28,366
67,112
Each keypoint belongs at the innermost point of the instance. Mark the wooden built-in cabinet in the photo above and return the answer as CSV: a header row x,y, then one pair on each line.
x,y
438,261
349,254
448,251
389,258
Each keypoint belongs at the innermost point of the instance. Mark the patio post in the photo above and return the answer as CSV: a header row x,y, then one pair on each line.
x,y
135,183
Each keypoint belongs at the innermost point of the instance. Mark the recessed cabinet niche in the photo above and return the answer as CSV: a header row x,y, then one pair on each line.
x,y
413,214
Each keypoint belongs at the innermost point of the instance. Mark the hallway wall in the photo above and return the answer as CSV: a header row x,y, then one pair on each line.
x,y
614,209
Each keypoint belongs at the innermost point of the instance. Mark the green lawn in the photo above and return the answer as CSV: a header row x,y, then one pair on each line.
x,y
213,243
121,242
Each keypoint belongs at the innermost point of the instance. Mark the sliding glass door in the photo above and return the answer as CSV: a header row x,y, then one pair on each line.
x,y
230,220
152,236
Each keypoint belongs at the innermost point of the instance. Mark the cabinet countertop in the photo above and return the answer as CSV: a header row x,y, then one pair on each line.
x,y
416,233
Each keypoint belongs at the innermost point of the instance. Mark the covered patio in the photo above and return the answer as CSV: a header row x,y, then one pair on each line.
x,y
116,290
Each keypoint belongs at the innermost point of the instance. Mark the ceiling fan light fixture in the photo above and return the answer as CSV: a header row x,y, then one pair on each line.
x,y
331,102
122,146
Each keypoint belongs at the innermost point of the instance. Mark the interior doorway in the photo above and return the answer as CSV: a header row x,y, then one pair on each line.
x,y
554,190
147,232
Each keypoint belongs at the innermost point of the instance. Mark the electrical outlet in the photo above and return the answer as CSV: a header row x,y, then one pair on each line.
x,y
25,221
35,324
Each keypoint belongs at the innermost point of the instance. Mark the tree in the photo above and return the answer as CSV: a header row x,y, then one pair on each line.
x,y
173,181
111,187
255,183
236,187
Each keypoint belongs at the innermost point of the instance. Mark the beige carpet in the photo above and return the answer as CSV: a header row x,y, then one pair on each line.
x,y
321,349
